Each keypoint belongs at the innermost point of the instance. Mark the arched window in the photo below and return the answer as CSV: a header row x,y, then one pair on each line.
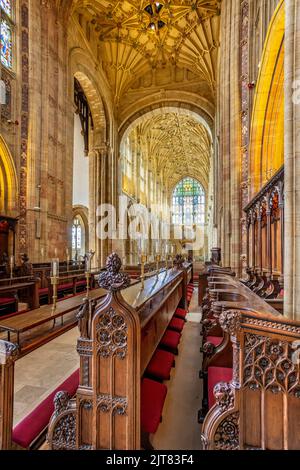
x,y
78,242
6,32
188,203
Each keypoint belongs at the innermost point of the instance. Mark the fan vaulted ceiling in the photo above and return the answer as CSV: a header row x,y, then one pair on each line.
x,y
177,146
139,35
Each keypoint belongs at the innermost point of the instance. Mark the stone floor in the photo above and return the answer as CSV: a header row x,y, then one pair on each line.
x,y
41,371
179,429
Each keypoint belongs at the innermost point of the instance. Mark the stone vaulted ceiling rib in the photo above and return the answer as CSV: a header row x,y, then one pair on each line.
x,y
134,41
178,146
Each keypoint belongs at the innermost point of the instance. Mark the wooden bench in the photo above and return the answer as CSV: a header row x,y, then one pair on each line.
x,y
128,326
17,325
30,432
24,289
216,346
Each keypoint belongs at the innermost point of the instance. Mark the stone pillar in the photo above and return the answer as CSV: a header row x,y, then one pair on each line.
x,y
98,195
292,161
230,140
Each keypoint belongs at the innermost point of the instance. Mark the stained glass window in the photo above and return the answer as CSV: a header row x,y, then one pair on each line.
x,y
6,44
76,235
188,203
6,33
6,6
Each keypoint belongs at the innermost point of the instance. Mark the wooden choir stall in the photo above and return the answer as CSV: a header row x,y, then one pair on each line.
x,y
250,370
265,239
115,404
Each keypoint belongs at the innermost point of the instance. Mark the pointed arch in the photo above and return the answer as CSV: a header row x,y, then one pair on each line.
x,y
267,126
8,181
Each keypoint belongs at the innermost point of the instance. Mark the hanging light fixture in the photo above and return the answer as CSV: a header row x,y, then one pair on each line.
x,y
154,10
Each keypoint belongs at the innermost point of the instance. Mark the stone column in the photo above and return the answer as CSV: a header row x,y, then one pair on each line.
x,y
230,140
98,195
292,161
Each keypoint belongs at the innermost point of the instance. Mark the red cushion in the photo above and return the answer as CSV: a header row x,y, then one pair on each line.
x,y
216,375
43,290
7,300
215,340
190,288
81,283
170,339
176,324
153,395
161,364
66,286
33,424
181,313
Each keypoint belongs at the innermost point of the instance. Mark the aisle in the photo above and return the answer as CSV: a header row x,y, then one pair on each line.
x,y
179,429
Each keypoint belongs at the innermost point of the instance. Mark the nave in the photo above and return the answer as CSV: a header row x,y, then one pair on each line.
x,y
149,225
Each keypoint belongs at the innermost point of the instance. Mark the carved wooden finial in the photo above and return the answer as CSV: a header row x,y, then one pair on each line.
x,y
8,352
178,261
112,279
230,321
224,395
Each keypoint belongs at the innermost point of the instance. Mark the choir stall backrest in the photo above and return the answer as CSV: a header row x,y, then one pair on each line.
x,y
260,407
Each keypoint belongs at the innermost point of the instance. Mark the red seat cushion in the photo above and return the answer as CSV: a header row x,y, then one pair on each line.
x,y
161,364
190,288
66,286
216,375
33,424
81,283
7,300
153,395
43,290
215,340
176,324
181,313
170,339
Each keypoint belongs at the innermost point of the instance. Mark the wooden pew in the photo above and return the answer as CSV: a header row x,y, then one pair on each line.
x,y
23,328
118,337
260,407
224,293
23,289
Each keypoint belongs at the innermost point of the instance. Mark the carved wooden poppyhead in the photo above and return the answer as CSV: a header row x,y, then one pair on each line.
x,y
178,261
112,279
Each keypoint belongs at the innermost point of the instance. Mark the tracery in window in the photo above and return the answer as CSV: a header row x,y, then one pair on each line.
x,y
6,33
188,203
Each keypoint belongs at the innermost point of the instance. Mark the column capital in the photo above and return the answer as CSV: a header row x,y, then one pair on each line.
x,y
100,151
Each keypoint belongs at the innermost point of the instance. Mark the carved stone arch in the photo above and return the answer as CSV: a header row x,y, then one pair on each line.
x,y
200,109
83,213
266,145
8,181
83,69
